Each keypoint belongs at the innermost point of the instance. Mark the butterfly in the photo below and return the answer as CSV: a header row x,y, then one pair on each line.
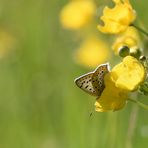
x,y
93,82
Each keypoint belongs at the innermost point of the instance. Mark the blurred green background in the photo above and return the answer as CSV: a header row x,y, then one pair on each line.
x,y
40,106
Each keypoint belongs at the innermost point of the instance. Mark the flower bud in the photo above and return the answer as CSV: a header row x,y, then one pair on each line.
x,y
124,51
142,58
135,52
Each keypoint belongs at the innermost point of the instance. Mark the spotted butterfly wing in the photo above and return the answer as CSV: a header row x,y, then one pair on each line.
x,y
84,82
93,82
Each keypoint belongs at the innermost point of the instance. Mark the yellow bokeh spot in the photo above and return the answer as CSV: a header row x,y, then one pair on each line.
x,y
77,14
92,52
7,43
117,19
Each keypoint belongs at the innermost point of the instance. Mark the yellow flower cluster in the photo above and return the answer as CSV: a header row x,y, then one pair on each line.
x,y
118,20
128,75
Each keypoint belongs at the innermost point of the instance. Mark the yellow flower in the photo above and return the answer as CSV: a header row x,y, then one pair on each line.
x,y
117,19
129,74
124,78
92,52
129,38
112,98
77,14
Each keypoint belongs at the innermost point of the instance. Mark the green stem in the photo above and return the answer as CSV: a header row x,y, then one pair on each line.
x,y
139,103
140,29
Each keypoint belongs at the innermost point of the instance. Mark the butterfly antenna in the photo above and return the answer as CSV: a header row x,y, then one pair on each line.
x,y
90,115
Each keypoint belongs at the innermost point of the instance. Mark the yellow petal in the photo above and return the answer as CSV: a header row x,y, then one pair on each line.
x,y
112,98
111,27
118,18
129,74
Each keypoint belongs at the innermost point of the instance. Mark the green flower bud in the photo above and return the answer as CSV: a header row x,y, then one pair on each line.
x,y
135,52
124,51
142,58
144,61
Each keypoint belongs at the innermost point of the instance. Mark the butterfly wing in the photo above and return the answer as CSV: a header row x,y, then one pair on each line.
x,y
85,83
98,78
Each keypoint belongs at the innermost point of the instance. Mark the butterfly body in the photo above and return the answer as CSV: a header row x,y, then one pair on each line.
x,y
93,82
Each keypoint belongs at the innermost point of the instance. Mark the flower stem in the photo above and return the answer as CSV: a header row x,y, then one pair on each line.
x,y
140,29
132,126
139,103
